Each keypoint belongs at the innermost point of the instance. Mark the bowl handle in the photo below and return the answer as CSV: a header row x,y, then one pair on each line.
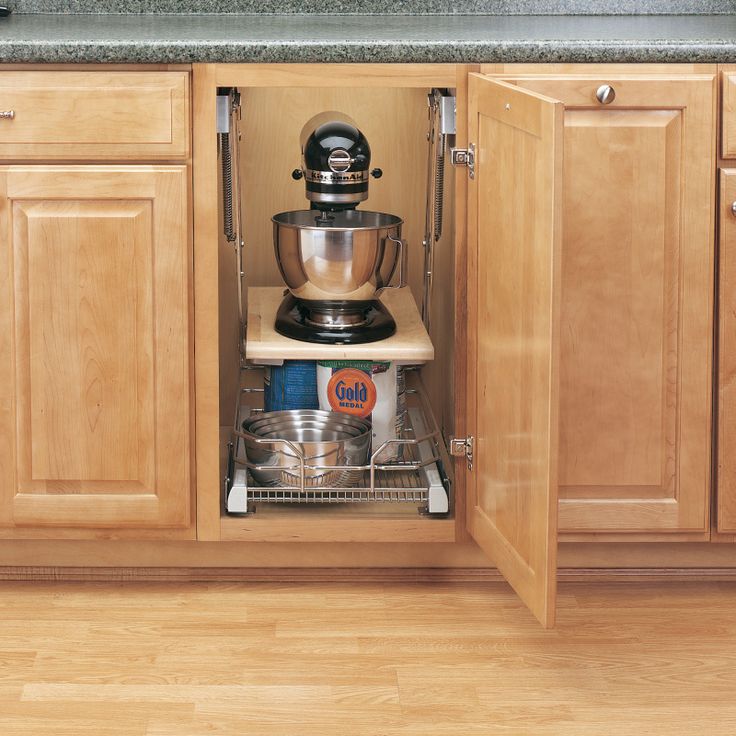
x,y
401,245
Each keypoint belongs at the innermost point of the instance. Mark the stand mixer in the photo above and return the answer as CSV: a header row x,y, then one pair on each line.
x,y
335,259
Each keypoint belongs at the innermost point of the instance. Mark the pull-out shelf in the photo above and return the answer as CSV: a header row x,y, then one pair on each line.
x,y
417,478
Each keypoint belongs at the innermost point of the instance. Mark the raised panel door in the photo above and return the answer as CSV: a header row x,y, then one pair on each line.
x,y
94,366
636,303
513,304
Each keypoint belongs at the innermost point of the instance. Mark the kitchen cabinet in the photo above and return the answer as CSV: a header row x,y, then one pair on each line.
x,y
94,346
95,261
512,272
583,297
573,310
636,316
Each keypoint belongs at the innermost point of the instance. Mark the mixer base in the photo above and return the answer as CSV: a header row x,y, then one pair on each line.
x,y
334,323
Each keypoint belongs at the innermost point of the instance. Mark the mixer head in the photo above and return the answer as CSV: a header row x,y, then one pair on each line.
x,y
336,162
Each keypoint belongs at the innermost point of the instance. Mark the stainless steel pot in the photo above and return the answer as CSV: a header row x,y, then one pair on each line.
x,y
276,442
267,421
354,258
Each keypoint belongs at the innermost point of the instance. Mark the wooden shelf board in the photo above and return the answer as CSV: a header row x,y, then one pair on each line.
x,y
410,344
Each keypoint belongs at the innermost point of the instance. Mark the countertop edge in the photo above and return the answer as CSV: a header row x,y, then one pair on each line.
x,y
469,52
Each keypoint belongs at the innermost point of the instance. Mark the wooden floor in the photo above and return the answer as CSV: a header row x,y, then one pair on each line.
x,y
315,659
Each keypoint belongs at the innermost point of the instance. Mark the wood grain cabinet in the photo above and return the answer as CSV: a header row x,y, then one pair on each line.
x,y
94,347
726,498
636,292
83,116
583,304
728,113
95,281
580,308
514,208
590,314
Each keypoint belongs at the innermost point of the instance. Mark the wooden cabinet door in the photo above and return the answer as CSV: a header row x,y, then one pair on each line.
x,y
637,303
726,505
94,346
513,304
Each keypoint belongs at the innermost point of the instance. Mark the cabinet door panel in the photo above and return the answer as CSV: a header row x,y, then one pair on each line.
x,y
637,303
513,287
96,379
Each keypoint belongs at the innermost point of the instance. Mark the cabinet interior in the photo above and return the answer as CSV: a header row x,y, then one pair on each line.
x,y
395,122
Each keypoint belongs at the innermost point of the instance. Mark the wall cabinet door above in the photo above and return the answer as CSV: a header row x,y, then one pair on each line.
x,y
637,301
94,347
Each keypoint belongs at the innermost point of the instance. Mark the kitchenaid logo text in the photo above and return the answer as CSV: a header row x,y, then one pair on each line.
x,y
351,391
336,177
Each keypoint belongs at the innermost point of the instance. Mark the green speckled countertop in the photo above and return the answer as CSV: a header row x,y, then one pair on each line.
x,y
160,38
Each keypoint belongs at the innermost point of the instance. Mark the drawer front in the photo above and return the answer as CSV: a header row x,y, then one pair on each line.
x,y
728,117
94,115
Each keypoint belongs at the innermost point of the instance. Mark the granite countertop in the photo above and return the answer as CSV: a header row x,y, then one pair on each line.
x,y
159,38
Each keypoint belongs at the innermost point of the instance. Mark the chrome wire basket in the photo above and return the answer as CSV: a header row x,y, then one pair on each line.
x,y
416,476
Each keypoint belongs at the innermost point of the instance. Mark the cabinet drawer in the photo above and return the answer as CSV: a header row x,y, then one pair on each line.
x,y
94,115
728,115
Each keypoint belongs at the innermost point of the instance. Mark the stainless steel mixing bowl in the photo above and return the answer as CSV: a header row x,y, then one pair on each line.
x,y
275,440
353,258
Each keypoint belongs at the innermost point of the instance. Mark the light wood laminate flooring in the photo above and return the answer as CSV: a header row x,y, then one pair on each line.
x,y
181,659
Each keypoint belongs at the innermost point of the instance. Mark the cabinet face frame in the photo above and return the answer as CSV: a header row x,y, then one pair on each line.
x,y
536,587
206,79
728,112
694,96
726,426
51,482
723,525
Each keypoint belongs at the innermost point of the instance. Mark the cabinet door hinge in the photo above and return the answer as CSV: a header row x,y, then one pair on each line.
x,y
462,447
465,157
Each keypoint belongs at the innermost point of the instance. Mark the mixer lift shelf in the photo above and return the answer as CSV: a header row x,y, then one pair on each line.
x,y
263,345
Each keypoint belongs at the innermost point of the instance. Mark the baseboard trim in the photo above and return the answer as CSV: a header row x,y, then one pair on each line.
x,y
357,575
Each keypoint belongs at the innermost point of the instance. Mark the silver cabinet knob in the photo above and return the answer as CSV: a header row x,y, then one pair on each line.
x,y
733,208
605,94
7,114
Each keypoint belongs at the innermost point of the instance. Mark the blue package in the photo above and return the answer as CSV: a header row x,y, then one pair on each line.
x,y
292,385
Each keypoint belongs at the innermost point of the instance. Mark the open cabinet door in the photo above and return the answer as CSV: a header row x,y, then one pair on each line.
x,y
514,236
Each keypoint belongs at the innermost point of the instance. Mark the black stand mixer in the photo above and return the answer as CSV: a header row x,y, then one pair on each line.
x,y
336,259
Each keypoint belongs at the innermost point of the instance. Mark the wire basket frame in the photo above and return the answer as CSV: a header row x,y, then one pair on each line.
x,y
407,479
